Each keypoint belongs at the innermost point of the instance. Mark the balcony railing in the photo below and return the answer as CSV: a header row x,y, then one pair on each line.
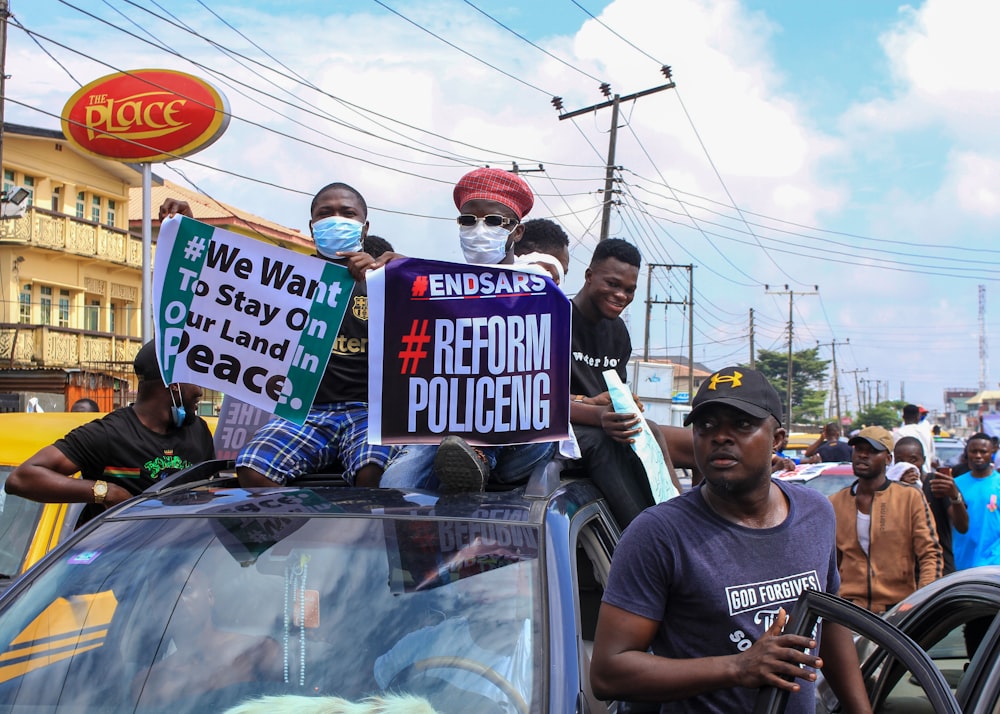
x,y
49,229
35,346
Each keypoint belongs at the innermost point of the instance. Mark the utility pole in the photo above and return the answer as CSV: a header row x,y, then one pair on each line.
x,y
613,102
753,355
689,302
4,14
836,382
791,296
857,384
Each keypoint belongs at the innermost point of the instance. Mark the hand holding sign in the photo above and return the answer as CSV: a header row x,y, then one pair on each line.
x,y
244,317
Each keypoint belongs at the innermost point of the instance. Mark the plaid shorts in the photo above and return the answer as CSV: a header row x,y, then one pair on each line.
x,y
334,435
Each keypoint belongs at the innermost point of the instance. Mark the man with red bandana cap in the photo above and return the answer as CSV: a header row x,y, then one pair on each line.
x,y
491,204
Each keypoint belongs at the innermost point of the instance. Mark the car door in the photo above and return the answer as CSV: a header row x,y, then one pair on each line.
x,y
897,655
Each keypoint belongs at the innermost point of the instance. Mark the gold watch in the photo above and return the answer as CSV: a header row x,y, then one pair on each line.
x,y
100,491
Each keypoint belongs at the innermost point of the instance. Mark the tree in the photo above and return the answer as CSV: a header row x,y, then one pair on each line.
x,y
886,414
808,372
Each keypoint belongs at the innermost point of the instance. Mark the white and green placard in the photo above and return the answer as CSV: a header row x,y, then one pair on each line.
x,y
245,317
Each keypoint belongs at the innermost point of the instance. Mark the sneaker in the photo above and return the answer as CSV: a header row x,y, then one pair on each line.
x,y
460,467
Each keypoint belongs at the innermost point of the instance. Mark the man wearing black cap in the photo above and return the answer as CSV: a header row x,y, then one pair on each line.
x,y
705,579
887,543
124,453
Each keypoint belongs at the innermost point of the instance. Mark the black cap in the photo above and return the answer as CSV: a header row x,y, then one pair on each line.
x,y
145,363
745,389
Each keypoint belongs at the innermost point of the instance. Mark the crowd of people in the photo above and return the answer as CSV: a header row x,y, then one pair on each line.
x,y
686,579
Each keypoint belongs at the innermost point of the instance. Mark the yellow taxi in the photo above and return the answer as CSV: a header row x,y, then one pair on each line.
x,y
29,530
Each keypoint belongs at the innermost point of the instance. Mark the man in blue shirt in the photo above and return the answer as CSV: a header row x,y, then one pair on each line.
x,y
980,489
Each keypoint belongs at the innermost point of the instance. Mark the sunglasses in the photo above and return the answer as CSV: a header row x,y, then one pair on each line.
x,y
492,220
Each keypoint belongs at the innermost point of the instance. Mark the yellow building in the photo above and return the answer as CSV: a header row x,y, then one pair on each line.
x,y
71,270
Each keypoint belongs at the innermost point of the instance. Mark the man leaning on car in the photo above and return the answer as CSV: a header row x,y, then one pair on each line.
x,y
124,453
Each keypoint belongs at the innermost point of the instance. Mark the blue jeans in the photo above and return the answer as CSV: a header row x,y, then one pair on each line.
x,y
413,466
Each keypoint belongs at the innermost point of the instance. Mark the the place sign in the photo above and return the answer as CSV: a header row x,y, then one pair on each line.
x,y
145,115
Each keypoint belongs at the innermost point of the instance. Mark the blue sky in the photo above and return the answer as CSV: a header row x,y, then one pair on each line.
x,y
849,145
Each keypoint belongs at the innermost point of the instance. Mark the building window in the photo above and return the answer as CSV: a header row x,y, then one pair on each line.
x,y
92,316
111,213
112,308
81,203
45,305
24,305
64,308
29,183
8,181
55,198
95,209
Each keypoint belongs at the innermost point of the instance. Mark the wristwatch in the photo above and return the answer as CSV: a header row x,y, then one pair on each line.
x,y
957,501
100,491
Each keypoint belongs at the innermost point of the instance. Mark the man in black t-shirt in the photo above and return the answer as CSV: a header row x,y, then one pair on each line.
x,y
828,447
124,453
600,342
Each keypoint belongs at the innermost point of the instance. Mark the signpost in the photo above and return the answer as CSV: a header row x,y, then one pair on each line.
x,y
143,116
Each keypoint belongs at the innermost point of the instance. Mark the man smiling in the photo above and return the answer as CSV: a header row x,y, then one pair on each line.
x,y
600,342
703,581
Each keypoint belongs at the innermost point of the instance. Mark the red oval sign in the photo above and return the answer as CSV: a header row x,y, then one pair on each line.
x,y
145,115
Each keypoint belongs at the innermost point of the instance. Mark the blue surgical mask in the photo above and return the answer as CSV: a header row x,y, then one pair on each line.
x,y
336,234
177,411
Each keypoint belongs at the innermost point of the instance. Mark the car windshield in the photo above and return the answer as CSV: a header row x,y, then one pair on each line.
x,y
18,519
196,614
949,454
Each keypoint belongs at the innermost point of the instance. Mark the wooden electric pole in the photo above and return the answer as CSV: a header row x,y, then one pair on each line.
x,y
791,296
613,102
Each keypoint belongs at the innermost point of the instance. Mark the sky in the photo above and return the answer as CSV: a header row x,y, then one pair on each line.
x,y
845,152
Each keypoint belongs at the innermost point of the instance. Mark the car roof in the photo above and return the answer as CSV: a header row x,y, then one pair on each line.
x,y
223,497
24,434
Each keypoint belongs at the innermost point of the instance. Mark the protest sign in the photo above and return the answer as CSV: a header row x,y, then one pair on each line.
x,y
244,317
644,444
238,422
480,352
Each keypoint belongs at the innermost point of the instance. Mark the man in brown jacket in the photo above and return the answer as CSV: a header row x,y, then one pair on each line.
x,y
887,545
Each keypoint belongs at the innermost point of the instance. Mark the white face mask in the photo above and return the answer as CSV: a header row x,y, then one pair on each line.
x,y
483,244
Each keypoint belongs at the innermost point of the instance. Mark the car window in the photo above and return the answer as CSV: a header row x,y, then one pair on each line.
x,y
952,637
197,614
18,519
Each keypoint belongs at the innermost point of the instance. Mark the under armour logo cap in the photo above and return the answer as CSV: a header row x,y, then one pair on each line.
x,y
741,388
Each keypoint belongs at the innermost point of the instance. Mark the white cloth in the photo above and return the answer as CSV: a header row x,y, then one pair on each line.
x,y
895,472
529,259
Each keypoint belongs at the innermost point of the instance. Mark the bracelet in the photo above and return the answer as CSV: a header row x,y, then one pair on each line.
x,y
957,501
578,398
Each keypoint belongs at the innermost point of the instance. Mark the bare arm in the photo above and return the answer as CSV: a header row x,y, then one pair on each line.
x,y
943,486
622,668
813,449
681,445
842,670
46,477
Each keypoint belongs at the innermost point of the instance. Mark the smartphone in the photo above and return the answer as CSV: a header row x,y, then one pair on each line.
x,y
946,470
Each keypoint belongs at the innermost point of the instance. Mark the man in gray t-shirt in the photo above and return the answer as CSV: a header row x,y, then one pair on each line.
x,y
704,581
